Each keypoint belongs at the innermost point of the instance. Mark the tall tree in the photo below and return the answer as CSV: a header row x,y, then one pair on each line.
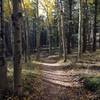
x,y
85,24
59,27
26,33
16,17
70,26
80,30
37,30
62,32
3,67
95,22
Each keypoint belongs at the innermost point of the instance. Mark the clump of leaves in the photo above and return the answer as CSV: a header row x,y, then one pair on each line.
x,y
91,83
27,82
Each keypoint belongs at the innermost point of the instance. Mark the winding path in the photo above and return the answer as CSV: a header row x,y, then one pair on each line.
x,y
60,84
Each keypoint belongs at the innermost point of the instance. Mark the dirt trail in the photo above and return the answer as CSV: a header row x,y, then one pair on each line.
x,y
60,84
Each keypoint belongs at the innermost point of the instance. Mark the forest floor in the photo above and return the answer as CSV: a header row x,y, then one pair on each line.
x,y
62,82
55,80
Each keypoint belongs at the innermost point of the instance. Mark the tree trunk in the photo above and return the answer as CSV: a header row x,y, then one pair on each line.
x,y
94,30
3,67
59,30
26,29
50,38
60,40
17,16
63,34
38,32
11,27
70,28
80,31
85,26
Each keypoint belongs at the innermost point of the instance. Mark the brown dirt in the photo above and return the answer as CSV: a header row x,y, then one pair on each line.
x,y
60,84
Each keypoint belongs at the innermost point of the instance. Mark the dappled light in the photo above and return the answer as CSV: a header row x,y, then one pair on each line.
x,y
49,49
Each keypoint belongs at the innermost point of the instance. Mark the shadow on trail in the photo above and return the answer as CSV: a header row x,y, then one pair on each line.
x,y
60,84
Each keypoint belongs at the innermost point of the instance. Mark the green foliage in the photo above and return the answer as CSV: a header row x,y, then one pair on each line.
x,y
7,8
92,83
31,82
90,1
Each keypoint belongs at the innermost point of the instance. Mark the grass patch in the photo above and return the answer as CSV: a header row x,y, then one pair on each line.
x,y
30,80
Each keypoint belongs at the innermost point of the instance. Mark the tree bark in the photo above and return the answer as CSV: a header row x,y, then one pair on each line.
x,y
70,28
3,67
85,25
59,30
38,32
63,34
26,29
80,31
16,18
94,30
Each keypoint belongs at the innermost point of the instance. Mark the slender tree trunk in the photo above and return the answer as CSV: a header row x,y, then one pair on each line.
x,y
94,30
59,29
59,32
50,39
26,28
3,67
38,32
60,40
80,31
27,37
70,28
85,26
11,27
84,36
17,16
63,34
